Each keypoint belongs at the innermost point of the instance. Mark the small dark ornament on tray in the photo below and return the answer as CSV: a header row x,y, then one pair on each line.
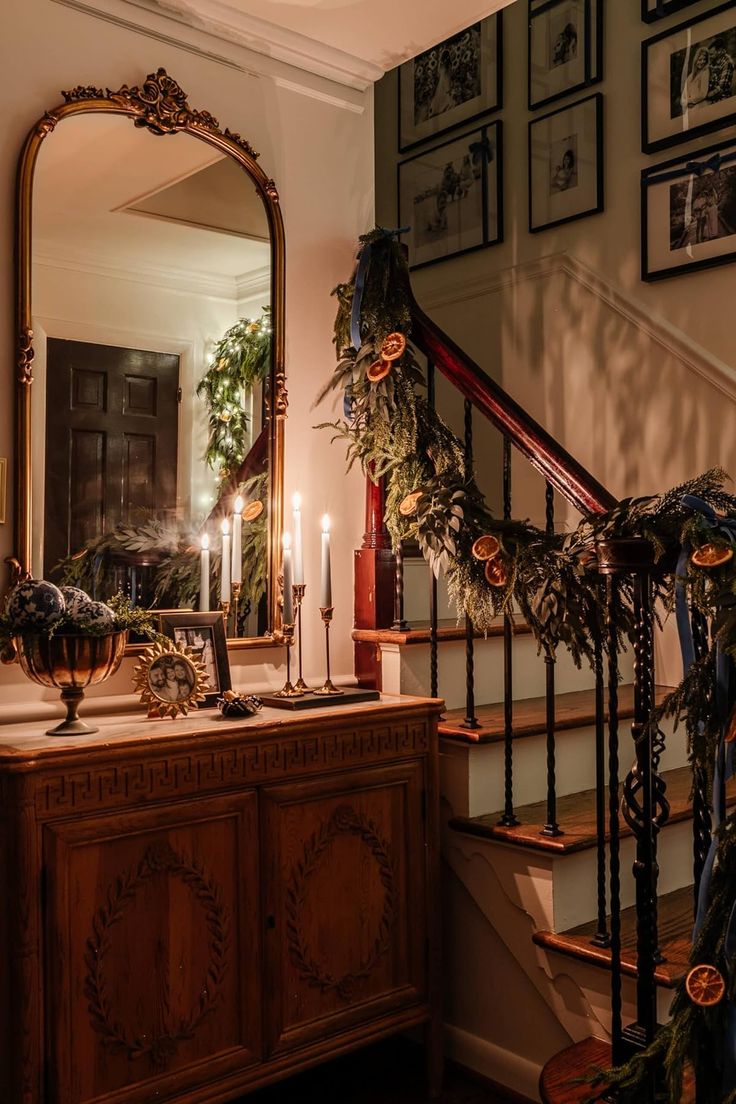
x,y
232,704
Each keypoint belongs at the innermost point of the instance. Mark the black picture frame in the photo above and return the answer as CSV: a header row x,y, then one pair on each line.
x,y
179,624
489,134
493,101
652,10
592,60
680,170
650,143
597,183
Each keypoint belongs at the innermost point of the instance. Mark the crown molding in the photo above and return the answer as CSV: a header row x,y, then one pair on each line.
x,y
710,368
169,277
263,37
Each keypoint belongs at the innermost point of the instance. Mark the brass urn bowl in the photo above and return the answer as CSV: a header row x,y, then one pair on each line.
x,y
70,662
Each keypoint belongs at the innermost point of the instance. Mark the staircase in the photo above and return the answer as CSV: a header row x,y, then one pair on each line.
x,y
546,955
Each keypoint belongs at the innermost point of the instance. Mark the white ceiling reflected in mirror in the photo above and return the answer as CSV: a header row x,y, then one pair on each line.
x,y
150,416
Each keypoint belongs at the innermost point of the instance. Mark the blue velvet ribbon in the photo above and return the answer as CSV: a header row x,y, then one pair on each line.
x,y
695,168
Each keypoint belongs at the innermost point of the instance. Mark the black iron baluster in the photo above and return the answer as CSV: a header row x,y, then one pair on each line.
x,y
471,721
702,819
613,823
601,937
509,818
551,828
433,622
399,624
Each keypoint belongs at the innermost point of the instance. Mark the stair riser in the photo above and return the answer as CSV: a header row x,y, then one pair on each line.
x,y
595,986
405,670
472,776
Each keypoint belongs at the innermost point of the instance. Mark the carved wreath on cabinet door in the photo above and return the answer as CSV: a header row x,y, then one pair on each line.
x,y
344,821
159,1049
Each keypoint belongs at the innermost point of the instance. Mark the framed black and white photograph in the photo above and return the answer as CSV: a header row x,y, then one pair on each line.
x,y
689,212
565,49
688,79
451,196
566,164
452,84
204,635
652,10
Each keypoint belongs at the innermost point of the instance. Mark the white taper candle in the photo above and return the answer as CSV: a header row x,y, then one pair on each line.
x,y
326,581
288,582
204,575
225,566
237,568
298,558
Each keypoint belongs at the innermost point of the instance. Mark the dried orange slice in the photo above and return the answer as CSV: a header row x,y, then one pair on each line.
x,y
705,986
253,510
378,370
408,505
712,555
486,547
393,346
495,573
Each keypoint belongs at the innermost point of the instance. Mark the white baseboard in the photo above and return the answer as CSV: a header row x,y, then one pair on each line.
x,y
491,1061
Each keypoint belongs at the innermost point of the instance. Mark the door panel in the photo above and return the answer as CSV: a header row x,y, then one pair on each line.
x,y
344,899
153,950
111,440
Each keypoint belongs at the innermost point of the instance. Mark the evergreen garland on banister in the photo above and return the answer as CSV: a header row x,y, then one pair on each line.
x,y
493,566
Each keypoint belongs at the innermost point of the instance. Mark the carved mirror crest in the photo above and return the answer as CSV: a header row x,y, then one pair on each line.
x,y
151,392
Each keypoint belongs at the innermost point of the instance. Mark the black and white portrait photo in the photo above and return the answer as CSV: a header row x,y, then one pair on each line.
x,y
563,164
566,164
564,49
171,678
690,79
689,212
203,634
200,641
448,196
452,83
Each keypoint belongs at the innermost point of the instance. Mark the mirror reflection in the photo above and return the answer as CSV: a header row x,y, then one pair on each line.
x,y
151,285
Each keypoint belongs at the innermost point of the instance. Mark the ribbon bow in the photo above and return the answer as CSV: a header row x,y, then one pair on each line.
x,y
699,167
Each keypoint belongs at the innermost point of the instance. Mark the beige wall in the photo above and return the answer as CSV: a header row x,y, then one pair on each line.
x,y
315,139
637,380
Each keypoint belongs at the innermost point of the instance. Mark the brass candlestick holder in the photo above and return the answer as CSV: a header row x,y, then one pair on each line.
x,y
287,690
225,607
329,689
236,588
299,590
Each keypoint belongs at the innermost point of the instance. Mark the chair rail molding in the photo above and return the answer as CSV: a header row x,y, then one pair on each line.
x,y
694,357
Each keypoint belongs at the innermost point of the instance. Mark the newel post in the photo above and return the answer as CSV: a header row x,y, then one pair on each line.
x,y
374,584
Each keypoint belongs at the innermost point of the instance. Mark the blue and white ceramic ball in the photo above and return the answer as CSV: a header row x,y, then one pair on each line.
x,y
35,604
84,613
76,601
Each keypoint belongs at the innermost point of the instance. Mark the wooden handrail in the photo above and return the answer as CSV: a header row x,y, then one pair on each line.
x,y
565,474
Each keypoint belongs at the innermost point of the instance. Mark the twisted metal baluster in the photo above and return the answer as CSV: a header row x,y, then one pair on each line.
x,y
433,615
551,828
399,624
702,819
613,823
471,721
601,937
509,818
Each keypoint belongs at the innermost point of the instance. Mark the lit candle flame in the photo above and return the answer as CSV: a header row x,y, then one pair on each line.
x,y
238,505
225,527
205,541
326,523
296,501
287,541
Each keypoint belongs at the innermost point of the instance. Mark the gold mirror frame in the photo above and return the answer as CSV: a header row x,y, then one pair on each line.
x,y
160,105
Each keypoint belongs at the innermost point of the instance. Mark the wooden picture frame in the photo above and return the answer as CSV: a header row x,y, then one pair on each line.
x,y
688,206
686,88
566,154
652,10
456,185
204,635
477,54
564,49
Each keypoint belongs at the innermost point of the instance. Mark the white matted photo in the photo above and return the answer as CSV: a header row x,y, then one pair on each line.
x,y
564,49
689,79
450,196
689,212
451,84
566,164
658,9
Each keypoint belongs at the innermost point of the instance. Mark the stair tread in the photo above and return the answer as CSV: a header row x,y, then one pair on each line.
x,y
575,709
674,928
419,633
576,815
559,1083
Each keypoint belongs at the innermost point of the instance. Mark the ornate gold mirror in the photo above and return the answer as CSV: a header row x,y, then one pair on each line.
x,y
150,391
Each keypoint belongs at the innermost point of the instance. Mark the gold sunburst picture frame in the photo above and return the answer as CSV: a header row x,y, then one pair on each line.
x,y
171,680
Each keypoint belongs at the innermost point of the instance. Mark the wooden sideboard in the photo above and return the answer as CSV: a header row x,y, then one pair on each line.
x,y
191,909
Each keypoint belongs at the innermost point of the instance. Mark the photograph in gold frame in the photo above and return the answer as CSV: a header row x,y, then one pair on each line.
x,y
170,680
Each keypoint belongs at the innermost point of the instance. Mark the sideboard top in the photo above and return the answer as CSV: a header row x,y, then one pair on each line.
x,y
24,744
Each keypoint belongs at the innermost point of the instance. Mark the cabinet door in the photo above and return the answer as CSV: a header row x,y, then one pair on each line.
x,y
344,887
152,932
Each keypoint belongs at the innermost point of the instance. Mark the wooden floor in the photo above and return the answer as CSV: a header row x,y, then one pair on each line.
x,y
387,1073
